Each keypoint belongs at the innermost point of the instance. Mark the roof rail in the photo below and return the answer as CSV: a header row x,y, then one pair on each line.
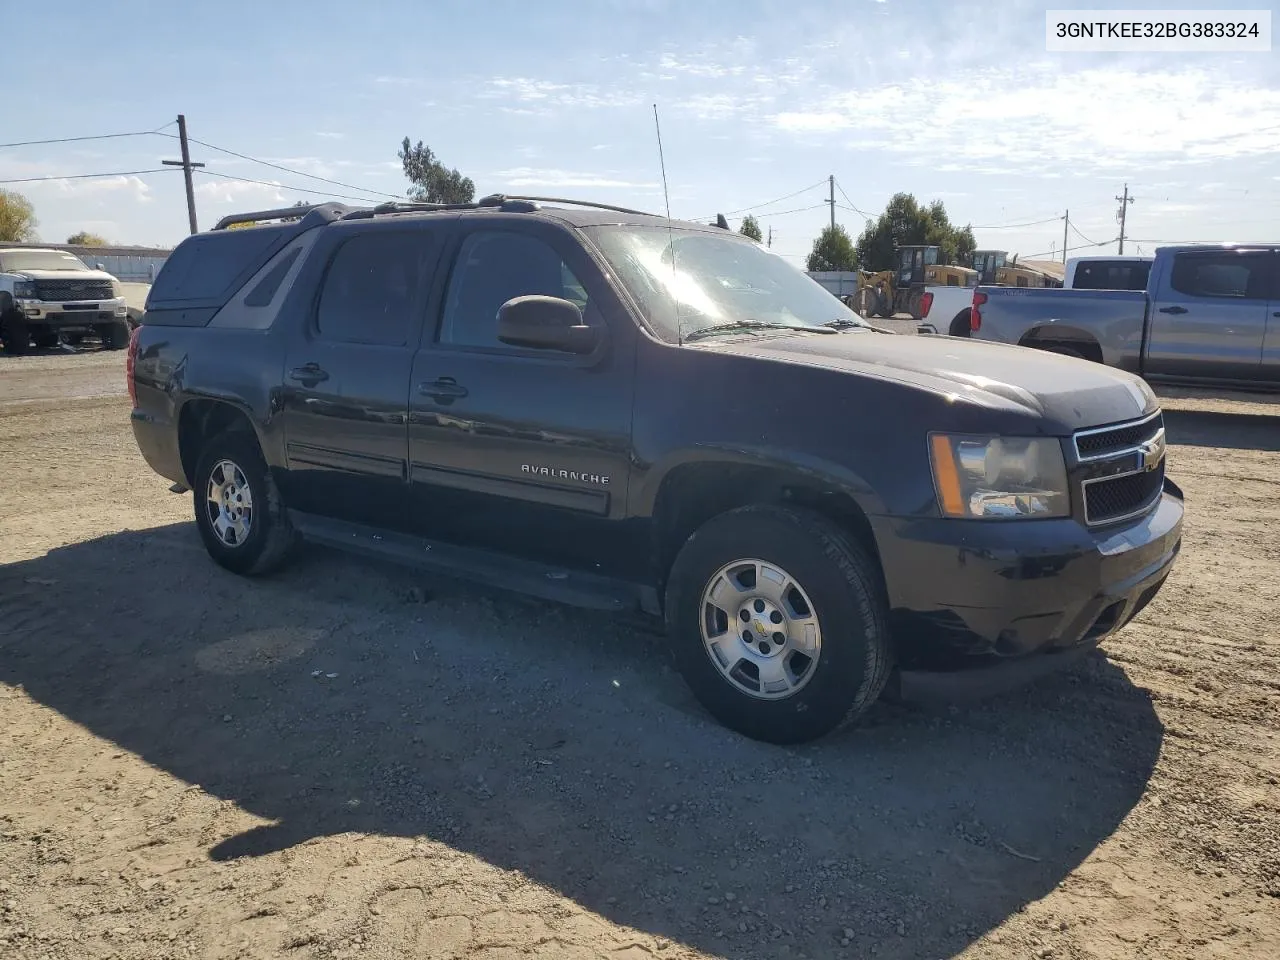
x,y
498,199
329,213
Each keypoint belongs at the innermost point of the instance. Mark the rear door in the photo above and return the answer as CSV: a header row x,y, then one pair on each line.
x,y
345,396
526,452
1210,319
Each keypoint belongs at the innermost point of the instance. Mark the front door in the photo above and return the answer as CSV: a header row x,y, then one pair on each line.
x,y
1211,319
346,374
523,451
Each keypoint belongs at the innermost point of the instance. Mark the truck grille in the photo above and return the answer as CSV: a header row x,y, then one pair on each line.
x,y
1124,438
1115,498
74,290
1121,469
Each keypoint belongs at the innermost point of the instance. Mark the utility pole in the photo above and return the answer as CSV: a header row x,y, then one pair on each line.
x,y
187,166
1124,208
1066,222
831,186
770,243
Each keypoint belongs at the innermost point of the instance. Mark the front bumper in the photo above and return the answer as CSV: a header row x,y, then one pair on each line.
x,y
980,606
72,314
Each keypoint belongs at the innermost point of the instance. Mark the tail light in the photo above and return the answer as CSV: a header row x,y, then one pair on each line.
x,y
926,301
129,361
975,314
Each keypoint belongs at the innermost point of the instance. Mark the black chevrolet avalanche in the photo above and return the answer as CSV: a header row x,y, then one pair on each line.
x,y
611,409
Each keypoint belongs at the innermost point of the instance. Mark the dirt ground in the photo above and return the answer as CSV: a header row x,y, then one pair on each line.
x,y
349,760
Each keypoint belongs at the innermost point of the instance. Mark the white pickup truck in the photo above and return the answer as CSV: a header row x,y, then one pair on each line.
x,y
47,296
946,310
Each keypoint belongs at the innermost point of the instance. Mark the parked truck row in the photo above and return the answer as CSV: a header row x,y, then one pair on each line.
x,y
1207,314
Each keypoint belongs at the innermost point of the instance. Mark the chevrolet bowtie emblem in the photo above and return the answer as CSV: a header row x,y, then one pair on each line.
x,y
1151,453
759,627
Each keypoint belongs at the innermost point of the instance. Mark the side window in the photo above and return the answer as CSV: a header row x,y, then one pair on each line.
x,y
1223,275
371,288
493,267
266,288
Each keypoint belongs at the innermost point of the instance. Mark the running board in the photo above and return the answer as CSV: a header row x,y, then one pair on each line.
x,y
556,584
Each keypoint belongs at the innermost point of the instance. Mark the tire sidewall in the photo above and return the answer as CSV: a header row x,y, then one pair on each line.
x,y
243,452
849,614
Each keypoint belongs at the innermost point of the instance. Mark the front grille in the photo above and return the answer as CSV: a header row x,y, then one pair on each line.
x,y
73,289
1115,498
1104,441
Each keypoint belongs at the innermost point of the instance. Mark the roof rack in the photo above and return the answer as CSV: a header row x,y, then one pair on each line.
x,y
500,199
329,213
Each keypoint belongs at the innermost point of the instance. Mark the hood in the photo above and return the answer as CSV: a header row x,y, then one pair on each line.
x,y
1067,392
64,275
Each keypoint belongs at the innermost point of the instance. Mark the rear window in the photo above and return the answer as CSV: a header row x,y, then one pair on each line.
x,y
1112,275
206,267
1223,275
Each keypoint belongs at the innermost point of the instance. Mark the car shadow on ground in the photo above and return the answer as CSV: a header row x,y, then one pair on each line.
x,y
557,743
1223,429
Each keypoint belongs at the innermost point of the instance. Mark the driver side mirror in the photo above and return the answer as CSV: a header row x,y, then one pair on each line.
x,y
545,323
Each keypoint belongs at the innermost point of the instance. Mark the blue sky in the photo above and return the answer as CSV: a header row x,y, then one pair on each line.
x,y
758,100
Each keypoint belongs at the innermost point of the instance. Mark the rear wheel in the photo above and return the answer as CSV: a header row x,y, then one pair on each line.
x,y
239,512
960,325
46,340
777,621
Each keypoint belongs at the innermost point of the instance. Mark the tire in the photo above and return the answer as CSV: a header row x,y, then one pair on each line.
x,y
14,332
836,580
75,339
960,324
115,335
263,542
45,340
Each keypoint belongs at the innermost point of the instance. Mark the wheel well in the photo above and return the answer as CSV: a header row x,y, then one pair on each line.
x,y
1041,338
691,495
960,324
198,421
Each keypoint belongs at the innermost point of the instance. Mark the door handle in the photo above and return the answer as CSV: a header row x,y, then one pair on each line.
x,y
1173,309
445,389
308,374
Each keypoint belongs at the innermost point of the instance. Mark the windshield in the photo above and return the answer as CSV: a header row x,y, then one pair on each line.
x,y
16,260
716,281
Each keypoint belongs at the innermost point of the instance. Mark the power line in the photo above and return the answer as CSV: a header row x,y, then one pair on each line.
x,y
104,136
1087,239
852,206
290,170
87,176
1083,246
280,186
1012,226
767,203
783,213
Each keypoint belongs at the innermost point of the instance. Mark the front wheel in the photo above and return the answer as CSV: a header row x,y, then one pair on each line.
x,y
239,512
14,332
114,335
778,623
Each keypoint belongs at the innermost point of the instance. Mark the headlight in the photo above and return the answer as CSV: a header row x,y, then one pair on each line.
x,y
999,477
26,289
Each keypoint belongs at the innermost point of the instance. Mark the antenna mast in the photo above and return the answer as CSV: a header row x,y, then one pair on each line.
x,y
671,239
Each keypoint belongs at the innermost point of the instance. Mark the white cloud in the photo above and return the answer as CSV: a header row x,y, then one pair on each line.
x,y
545,94
1042,121
133,188
330,135
234,191
534,177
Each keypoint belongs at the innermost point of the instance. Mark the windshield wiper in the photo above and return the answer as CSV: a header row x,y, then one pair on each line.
x,y
843,323
734,326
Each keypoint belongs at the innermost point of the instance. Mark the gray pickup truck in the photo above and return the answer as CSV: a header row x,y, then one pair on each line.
x,y
1210,315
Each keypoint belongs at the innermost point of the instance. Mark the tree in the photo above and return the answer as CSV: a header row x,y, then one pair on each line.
x,y
17,218
906,223
833,250
432,181
86,239
751,228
